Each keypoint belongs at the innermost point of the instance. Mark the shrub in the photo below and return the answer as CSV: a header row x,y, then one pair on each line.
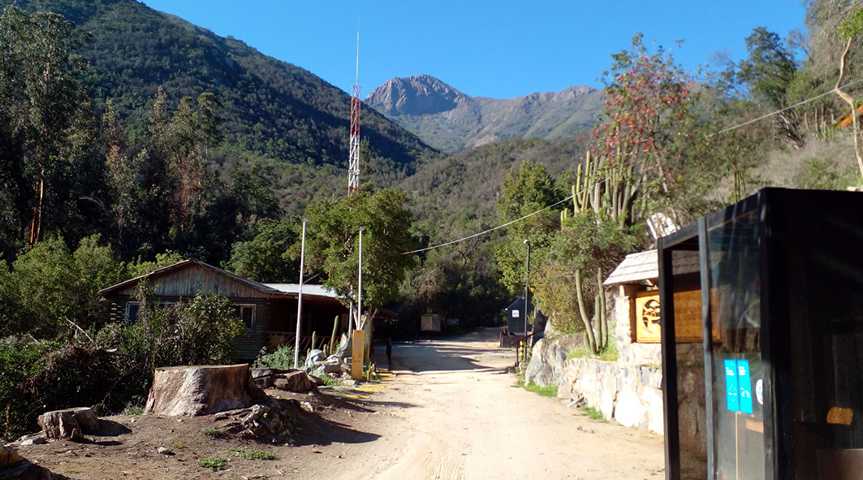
x,y
213,463
281,359
213,432
593,414
19,360
251,454
50,285
115,370
542,390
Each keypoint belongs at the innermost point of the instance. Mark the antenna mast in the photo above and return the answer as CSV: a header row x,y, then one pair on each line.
x,y
354,147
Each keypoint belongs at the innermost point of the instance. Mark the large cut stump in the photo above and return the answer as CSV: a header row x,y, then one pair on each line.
x,y
71,423
200,390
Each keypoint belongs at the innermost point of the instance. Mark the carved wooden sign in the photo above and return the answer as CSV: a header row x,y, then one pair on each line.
x,y
646,317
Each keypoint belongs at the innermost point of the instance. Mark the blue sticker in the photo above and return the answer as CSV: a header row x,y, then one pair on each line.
x,y
732,398
745,384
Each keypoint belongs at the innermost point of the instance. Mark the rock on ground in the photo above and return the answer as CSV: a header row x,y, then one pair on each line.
x,y
297,381
200,390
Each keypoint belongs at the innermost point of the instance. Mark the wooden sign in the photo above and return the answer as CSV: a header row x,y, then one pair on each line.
x,y
646,315
358,346
646,318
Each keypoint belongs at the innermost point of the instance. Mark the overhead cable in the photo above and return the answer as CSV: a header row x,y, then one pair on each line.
x,y
720,132
489,230
783,110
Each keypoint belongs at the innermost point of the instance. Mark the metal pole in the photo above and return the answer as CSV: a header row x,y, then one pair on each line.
x,y
300,299
526,283
360,283
526,292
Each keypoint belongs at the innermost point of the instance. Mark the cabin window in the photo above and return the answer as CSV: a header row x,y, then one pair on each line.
x,y
246,313
132,309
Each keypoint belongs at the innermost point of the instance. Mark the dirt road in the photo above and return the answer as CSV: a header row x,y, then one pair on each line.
x,y
452,412
448,411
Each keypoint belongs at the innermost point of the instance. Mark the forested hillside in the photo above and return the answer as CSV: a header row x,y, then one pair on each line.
x,y
268,106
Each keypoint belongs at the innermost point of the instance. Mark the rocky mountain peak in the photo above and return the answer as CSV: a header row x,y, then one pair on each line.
x,y
415,95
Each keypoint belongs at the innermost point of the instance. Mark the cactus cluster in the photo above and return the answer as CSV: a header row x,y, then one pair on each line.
x,y
608,187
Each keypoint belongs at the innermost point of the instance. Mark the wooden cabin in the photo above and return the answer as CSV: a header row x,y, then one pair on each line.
x,y
268,310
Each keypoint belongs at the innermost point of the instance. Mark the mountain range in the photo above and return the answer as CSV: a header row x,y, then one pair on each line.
x,y
450,120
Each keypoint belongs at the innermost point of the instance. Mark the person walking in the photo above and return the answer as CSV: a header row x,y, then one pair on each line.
x,y
390,353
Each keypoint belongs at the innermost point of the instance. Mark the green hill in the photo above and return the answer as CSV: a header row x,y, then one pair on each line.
x,y
269,107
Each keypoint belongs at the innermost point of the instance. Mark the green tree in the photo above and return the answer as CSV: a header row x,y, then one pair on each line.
x,y
769,72
161,260
54,286
333,237
526,189
267,257
42,94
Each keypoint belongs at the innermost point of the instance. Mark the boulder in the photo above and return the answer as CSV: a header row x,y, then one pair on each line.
x,y
314,358
200,390
264,377
297,381
71,423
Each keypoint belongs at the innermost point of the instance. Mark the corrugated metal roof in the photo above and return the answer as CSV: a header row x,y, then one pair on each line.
x,y
274,289
642,266
635,268
308,289
183,264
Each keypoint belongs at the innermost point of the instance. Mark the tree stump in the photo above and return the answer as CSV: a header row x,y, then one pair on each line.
x,y
200,390
71,423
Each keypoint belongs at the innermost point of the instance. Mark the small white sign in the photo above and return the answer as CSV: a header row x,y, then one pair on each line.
x,y
515,314
759,392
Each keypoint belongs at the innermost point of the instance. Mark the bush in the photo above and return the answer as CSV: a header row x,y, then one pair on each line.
x,y
251,454
116,369
281,359
19,360
213,463
50,284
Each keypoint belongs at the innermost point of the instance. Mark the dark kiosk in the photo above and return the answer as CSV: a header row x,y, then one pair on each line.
x,y
762,339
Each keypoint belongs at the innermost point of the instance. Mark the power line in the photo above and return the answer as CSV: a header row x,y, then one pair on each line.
x,y
489,230
782,110
720,132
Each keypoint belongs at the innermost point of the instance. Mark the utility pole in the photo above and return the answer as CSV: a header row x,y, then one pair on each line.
x,y
526,292
360,281
300,299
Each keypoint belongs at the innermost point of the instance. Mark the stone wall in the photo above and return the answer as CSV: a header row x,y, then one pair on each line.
x,y
628,391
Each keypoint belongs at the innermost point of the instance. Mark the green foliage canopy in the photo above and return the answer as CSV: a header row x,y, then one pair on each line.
x,y
333,237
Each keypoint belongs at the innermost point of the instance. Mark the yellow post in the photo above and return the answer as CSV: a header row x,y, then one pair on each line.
x,y
357,354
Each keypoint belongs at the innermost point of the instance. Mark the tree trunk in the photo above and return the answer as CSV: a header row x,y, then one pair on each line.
x,y
850,101
200,390
582,313
36,223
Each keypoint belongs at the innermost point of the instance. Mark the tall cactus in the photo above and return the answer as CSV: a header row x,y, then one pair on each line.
x,y
608,188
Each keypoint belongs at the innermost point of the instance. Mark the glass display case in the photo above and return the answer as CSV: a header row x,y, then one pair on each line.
x,y
775,389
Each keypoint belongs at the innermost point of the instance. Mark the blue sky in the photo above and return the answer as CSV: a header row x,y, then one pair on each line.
x,y
499,49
